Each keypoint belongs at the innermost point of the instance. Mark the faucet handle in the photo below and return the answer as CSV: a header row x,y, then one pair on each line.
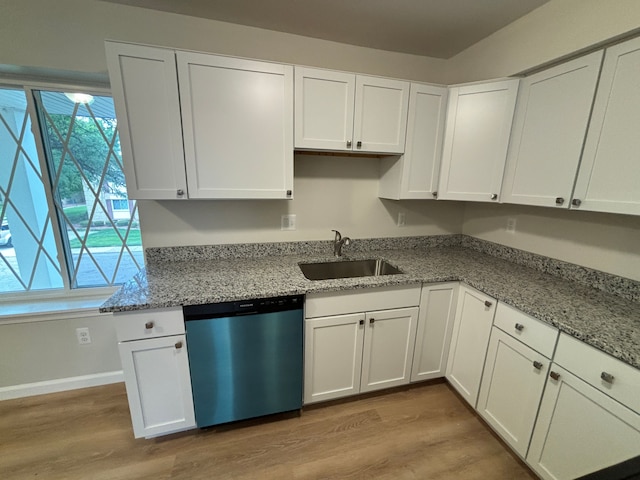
x,y
338,235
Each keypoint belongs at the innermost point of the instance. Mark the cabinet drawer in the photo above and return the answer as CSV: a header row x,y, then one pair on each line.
x,y
362,300
149,324
591,365
530,331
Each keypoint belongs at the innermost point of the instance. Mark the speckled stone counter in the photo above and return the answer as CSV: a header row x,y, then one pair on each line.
x,y
606,321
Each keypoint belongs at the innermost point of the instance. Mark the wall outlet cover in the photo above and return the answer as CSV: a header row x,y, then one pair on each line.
x,y
511,225
402,219
288,222
83,336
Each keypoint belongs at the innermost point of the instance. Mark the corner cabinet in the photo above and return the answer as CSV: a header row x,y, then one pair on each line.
x,y
415,174
433,337
552,115
479,118
469,340
155,363
358,341
233,116
345,112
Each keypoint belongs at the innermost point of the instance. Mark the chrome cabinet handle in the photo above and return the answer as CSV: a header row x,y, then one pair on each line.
x,y
348,143
487,303
559,200
180,192
435,194
371,321
289,193
519,327
494,196
361,322
607,377
359,144
537,365
148,325
554,375
178,345
576,202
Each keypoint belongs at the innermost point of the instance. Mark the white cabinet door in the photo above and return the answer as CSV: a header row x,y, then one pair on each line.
x,y
580,430
324,103
415,174
389,340
156,373
380,117
476,138
552,114
609,176
511,390
238,126
333,356
469,340
145,93
435,323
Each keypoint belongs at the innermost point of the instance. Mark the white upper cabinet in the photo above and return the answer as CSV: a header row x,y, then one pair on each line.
x,y
609,177
238,126
233,116
552,114
324,109
415,174
346,112
479,119
145,94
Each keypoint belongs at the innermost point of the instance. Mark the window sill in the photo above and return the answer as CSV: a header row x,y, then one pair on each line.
x,y
43,309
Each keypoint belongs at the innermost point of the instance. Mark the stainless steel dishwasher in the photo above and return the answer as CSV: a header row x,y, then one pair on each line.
x,y
245,358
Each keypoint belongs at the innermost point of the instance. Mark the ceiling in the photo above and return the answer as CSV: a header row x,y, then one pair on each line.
x,y
434,28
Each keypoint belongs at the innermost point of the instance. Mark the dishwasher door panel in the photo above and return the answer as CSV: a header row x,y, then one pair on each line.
x,y
245,366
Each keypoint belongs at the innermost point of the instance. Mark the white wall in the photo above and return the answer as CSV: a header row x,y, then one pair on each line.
x,y
330,192
555,30
610,243
70,34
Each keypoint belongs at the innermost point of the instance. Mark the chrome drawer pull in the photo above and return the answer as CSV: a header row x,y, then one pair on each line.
x,y
537,365
487,303
607,377
519,327
554,375
148,325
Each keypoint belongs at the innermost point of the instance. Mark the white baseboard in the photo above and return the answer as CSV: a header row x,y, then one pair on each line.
x,y
60,385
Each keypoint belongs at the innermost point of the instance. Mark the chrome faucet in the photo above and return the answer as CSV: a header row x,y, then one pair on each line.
x,y
338,242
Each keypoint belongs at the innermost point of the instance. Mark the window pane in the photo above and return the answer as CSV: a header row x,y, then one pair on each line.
x,y
28,254
99,223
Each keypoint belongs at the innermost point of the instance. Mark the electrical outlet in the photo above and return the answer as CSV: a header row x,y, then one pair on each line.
x,y
288,222
83,336
511,225
402,219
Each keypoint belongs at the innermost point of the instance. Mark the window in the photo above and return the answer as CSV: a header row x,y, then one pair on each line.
x,y
70,202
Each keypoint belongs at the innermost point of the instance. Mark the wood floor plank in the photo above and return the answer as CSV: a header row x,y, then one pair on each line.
x,y
423,432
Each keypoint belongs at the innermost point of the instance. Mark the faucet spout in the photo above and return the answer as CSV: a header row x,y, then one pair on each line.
x,y
338,242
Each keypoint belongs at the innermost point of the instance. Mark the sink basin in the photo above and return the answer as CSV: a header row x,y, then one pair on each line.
x,y
347,269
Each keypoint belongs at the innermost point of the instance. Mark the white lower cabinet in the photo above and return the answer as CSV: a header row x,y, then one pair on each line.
x,y
580,429
471,330
156,371
515,372
435,323
512,386
357,350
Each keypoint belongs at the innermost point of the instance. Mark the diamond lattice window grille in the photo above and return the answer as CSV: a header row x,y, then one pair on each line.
x,y
85,168
28,253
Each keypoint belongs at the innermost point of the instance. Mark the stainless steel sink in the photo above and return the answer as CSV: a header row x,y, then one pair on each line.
x,y
347,269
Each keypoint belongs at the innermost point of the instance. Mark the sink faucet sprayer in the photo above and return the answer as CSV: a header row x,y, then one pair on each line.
x,y
338,243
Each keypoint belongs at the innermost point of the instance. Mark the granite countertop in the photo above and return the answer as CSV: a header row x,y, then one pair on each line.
x,y
606,321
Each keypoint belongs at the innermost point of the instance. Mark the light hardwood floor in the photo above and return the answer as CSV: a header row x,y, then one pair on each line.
x,y
423,432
